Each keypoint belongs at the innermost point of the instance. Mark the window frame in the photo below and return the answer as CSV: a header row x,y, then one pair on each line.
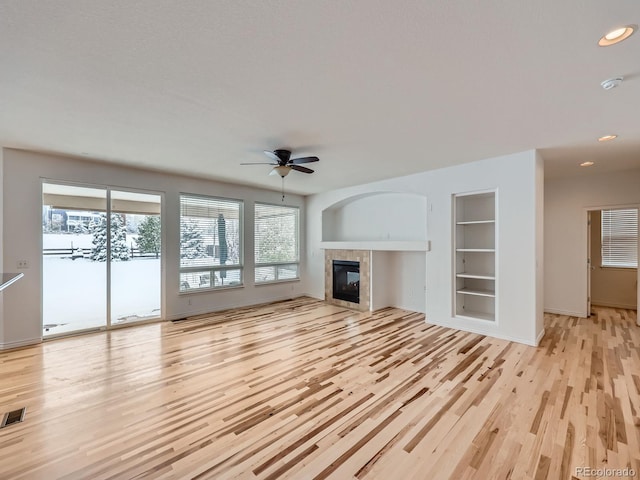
x,y
295,262
211,270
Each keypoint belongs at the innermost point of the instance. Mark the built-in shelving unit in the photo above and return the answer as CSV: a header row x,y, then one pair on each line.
x,y
475,255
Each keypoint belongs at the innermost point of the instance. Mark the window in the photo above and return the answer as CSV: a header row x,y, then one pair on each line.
x,y
620,238
210,246
276,243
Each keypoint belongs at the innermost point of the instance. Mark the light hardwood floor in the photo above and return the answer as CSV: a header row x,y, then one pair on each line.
x,y
302,389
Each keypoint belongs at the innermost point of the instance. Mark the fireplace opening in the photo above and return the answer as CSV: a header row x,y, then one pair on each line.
x,y
346,281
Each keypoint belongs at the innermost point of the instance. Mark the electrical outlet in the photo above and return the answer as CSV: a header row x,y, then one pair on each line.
x,y
22,264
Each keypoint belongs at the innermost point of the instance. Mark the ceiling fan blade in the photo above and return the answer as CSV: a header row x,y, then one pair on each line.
x,y
272,155
259,163
298,161
301,169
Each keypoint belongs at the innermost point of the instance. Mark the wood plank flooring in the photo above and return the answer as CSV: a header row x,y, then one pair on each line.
x,y
302,389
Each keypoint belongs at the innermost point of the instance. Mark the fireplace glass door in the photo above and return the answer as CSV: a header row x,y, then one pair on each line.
x,y
346,281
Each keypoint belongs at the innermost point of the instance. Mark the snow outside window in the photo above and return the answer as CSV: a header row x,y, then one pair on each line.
x,y
276,243
620,238
210,242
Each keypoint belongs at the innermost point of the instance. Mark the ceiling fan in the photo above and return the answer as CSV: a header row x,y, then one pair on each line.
x,y
283,163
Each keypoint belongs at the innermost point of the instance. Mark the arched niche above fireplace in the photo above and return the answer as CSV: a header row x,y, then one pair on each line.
x,y
377,221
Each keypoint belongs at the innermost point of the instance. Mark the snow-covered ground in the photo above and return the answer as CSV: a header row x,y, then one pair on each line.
x,y
74,291
74,240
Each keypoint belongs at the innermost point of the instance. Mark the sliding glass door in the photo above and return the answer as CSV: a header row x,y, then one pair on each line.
x,y
135,257
74,280
101,258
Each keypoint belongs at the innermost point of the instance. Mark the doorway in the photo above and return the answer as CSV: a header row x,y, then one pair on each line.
x,y
612,252
101,258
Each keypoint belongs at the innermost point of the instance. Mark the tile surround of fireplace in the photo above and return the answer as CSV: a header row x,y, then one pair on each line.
x,y
361,256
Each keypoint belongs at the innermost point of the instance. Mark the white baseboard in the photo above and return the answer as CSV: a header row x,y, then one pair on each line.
x,y
569,313
195,313
540,337
312,296
411,308
480,331
614,305
20,343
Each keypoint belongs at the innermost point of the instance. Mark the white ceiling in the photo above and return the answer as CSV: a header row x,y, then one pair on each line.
x,y
375,88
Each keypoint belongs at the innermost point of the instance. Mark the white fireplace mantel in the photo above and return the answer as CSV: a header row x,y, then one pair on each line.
x,y
381,245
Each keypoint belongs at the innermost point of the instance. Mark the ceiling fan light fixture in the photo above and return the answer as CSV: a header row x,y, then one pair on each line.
x,y
617,35
282,170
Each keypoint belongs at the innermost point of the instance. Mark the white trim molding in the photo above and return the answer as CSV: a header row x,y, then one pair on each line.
x,y
558,311
485,333
20,343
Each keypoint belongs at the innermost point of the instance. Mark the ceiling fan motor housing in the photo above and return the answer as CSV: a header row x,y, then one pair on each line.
x,y
283,155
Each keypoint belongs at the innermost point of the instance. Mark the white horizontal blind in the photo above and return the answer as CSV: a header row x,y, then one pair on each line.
x,y
210,242
276,242
620,238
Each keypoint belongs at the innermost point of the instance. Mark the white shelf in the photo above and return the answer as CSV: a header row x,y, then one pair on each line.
x,y
477,291
478,250
477,315
474,243
475,275
381,245
475,222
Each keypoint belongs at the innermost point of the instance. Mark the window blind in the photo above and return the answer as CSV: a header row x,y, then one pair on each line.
x,y
210,242
276,242
620,238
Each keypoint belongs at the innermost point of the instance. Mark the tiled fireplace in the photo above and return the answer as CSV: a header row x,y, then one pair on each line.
x,y
347,282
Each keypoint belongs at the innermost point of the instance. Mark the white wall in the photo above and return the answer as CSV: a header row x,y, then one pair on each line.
x,y
398,280
518,181
381,278
408,273
345,222
23,173
565,230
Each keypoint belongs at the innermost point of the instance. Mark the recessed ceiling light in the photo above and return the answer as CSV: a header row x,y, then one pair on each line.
x,y
587,164
607,138
617,35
